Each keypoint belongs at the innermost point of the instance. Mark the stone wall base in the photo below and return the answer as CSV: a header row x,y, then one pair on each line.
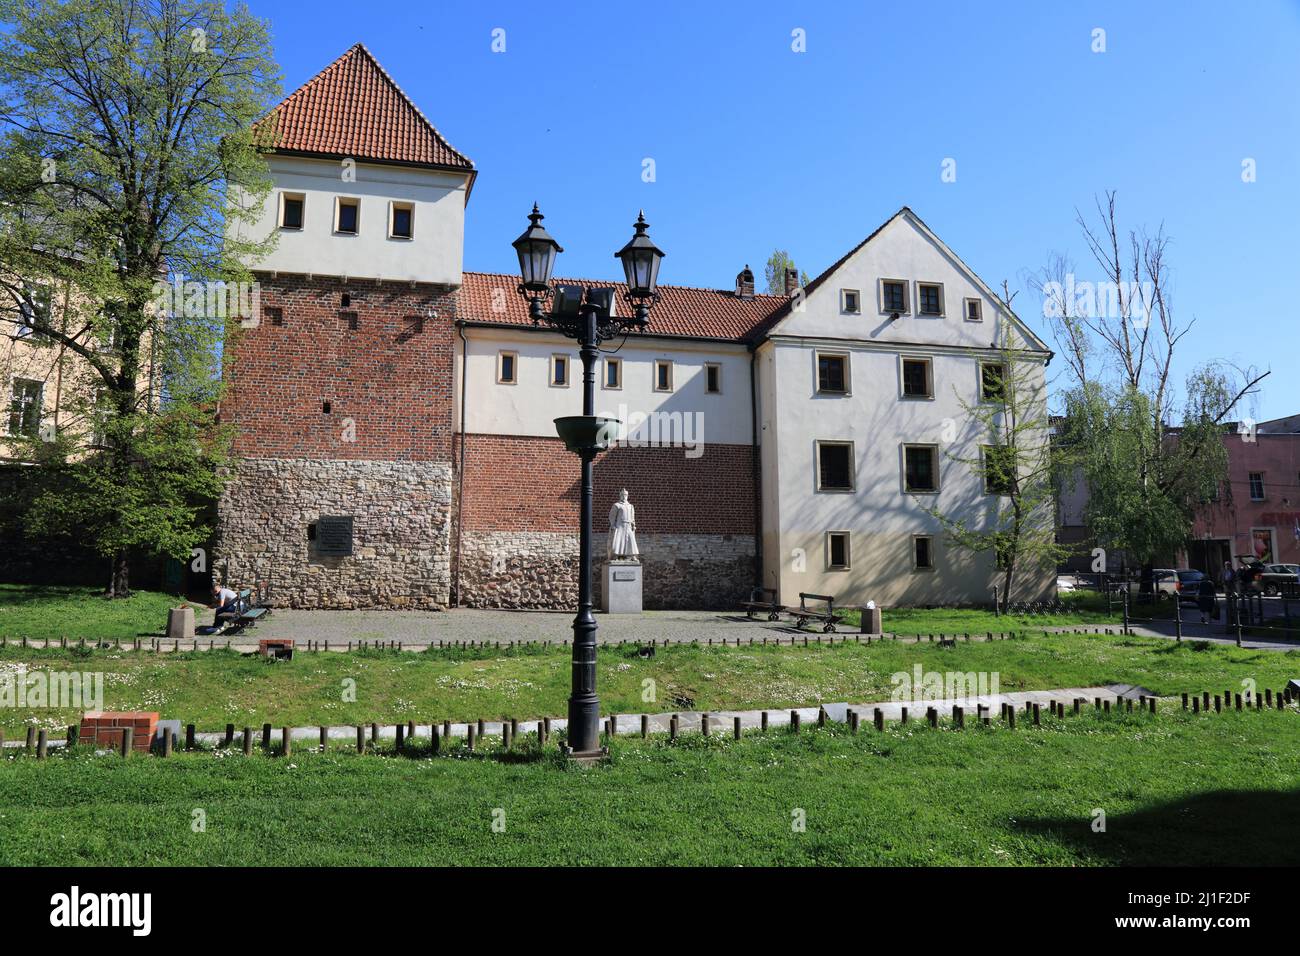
x,y
401,514
539,569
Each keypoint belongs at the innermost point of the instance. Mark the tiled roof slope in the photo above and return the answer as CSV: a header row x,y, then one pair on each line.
x,y
681,312
354,108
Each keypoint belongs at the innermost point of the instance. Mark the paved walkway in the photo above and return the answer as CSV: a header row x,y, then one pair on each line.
x,y
723,721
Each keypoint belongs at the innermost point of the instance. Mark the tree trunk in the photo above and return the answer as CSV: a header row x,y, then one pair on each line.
x,y
120,585
1006,586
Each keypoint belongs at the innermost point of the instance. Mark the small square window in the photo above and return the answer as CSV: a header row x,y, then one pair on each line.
x,y
663,375
1256,486
835,466
850,301
613,373
560,370
402,222
893,295
506,368
922,552
993,376
291,208
974,310
345,220
920,469
929,297
833,374
999,467
712,378
837,550
916,379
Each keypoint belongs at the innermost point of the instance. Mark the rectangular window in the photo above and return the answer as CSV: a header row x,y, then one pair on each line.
x,y
1256,486
559,370
833,374
837,550
291,208
345,216
916,379
974,310
929,297
999,464
506,368
850,301
921,468
663,375
893,295
402,220
993,376
274,314
712,378
834,466
613,373
922,552
35,310
25,406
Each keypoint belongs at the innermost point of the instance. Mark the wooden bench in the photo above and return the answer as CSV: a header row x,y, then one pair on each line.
x,y
763,599
229,618
806,613
249,608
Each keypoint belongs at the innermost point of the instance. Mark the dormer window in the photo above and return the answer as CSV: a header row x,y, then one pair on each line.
x,y
346,214
291,209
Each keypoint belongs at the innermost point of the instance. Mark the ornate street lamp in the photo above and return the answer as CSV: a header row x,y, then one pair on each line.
x,y
590,316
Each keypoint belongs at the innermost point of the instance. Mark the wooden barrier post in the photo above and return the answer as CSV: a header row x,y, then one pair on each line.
x,y
794,721
361,739
401,738
248,741
42,745
324,738
469,736
434,742
763,719
735,721
959,716
1237,700
1038,722
672,727
266,736
286,742
230,736
189,736
128,741
853,721
645,726
878,716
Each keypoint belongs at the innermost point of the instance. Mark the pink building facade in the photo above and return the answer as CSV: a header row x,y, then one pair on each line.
x,y
1258,512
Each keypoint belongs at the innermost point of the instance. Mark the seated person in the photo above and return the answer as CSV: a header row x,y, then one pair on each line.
x,y
223,599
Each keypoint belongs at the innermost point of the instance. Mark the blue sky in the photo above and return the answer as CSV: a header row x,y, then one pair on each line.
x,y
756,146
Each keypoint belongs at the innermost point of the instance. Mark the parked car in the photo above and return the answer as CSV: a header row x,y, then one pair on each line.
x,y
1275,576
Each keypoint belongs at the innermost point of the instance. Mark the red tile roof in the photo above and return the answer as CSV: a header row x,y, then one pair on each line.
x,y
682,311
354,108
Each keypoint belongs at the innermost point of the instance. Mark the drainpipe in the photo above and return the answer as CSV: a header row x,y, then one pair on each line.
x,y
460,472
758,469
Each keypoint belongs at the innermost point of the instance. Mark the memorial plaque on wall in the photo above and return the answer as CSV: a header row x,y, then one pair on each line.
x,y
334,535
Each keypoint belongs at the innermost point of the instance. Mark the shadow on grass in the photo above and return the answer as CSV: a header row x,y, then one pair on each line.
x,y
1217,828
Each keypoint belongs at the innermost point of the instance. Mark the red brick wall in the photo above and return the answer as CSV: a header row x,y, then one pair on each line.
x,y
104,728
391,376
531,484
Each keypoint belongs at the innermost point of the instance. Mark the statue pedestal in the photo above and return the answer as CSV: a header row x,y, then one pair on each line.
x,y
622,591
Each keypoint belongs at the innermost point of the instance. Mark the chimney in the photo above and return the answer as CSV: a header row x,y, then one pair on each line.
x,y
745,283
791,280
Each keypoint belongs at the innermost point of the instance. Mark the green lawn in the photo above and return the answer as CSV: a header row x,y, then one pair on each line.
x,y
1174,789
210,688
48,611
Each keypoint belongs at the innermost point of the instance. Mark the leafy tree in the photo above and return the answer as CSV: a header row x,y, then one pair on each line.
x,y
1147,454
126,157
774,272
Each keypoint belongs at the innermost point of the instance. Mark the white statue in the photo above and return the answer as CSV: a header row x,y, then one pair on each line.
x,y
622,528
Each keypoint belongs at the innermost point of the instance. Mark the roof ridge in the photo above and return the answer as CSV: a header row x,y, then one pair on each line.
x,y
662,285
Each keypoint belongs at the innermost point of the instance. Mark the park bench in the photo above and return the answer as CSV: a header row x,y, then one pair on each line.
x,y
249,608
763,599
815,613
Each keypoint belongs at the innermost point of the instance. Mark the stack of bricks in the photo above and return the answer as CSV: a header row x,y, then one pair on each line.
x,y
104,728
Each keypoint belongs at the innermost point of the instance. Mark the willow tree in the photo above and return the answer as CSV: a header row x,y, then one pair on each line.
x,y
126,156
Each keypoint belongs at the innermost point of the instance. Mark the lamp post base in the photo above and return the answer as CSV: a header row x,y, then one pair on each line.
x,y
585,758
